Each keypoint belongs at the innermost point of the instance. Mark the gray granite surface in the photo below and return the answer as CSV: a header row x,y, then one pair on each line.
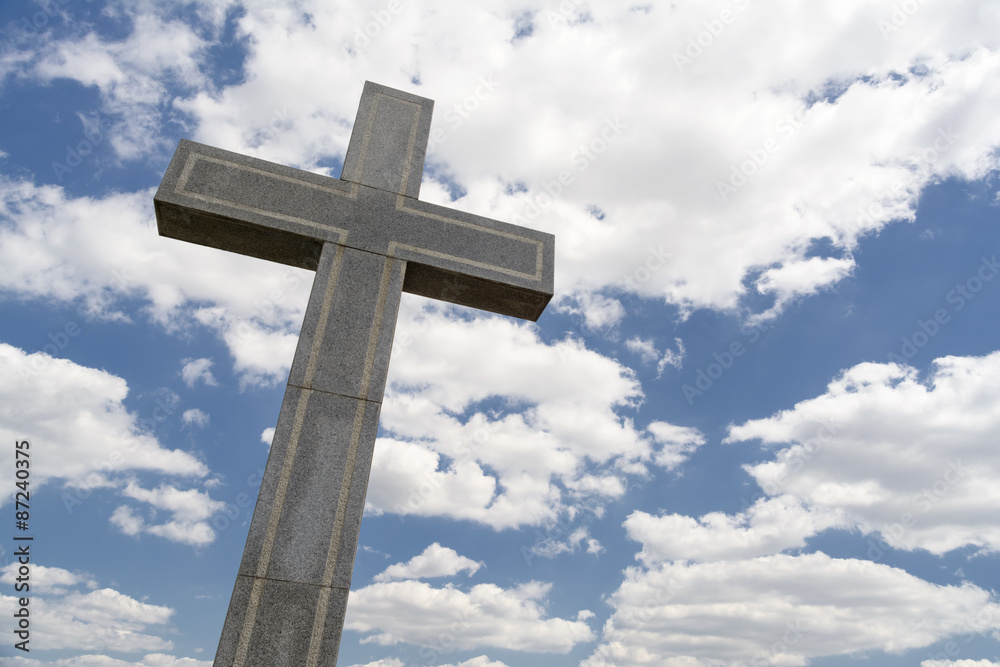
x,y
369,239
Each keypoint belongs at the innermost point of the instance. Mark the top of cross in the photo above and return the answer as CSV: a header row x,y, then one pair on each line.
x,y
389,141
266,210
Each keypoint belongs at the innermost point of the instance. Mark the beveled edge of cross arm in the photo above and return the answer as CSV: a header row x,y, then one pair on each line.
x,y
229,225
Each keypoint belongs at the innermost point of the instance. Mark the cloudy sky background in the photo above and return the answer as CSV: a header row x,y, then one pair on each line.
x,y
756,426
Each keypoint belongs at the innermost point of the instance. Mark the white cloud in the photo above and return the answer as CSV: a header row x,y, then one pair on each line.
x,y
644,347
196,417
959,663
781,610
100,620
677,443
91,438
656,185
435,561
134,75
481,661
548,546
47,580
558,442
712,117
127,521
801,278
151,660
97,251
673,358
198,369
190,511
914,460
768,527
646,194
69,612
598,312
447,619
93,442
267,436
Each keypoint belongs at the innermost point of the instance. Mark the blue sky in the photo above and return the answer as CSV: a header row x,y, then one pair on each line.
x,y
755,426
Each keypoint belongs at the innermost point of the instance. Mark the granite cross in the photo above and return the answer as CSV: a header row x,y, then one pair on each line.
x,y
369,238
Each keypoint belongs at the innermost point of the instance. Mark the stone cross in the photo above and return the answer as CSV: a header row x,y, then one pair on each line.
x,y
369,238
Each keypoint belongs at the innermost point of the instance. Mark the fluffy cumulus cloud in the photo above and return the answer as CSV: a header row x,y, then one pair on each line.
x,y
435,561
92,442
190,511
48,580
441,620
912,459
150,660
198,370
195,417
768,527
548,544
91,438
96,252
481,661
883,451
744,163
717,155
781,610
70,612
510,438
137,75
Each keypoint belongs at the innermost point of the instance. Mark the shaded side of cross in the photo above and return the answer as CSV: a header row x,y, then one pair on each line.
x,y
369,238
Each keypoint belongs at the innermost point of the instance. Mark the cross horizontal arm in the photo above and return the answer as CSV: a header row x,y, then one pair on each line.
x,y
242,204
253,207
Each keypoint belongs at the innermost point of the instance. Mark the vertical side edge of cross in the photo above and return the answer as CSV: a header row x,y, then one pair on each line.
x,y
358,159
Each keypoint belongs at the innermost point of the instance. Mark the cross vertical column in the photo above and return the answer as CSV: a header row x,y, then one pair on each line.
x,y
290,596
